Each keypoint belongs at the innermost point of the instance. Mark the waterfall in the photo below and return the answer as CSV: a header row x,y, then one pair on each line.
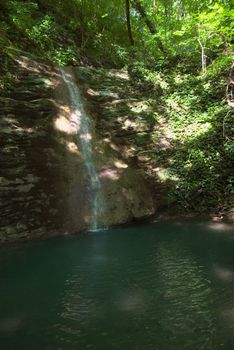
x,y
80,121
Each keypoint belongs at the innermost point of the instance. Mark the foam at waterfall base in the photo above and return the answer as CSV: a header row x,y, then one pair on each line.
x,y
97,230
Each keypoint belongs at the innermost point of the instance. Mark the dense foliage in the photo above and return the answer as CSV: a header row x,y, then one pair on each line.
x,y
179,56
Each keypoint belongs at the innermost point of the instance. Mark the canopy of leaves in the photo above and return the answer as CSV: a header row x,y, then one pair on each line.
x,y
63,31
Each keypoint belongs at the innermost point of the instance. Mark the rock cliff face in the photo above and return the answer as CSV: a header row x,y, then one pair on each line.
x,y
43,184
30,183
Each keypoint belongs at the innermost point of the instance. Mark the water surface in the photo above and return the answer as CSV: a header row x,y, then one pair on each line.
x,y
164,286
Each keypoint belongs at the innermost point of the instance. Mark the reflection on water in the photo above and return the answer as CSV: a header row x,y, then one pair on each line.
x,y
163,286
188,293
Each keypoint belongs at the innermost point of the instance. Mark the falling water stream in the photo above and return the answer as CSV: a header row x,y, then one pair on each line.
x,y
80,121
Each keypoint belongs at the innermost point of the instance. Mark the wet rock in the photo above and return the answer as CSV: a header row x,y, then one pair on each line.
x,y
230,215
44,188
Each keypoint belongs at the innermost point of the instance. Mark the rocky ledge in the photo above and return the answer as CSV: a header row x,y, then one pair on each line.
x,y
43,185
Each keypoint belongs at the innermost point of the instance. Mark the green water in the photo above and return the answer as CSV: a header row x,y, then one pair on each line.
x,y
153,287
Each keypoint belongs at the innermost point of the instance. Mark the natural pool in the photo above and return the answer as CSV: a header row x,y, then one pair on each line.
x,y
164,286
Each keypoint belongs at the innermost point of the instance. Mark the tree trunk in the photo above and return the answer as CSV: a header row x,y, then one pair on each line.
x,y
140,9
4,11
42,5
230,88
128,18
203,57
